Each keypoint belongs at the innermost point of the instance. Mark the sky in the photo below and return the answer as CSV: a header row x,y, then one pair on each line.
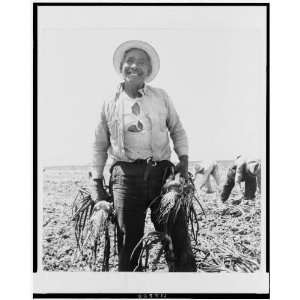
x,y
213,66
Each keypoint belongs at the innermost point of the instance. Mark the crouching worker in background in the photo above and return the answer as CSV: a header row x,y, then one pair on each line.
x,y
243,170
209,170
134,128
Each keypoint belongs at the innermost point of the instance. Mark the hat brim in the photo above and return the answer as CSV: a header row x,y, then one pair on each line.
x,y
120,51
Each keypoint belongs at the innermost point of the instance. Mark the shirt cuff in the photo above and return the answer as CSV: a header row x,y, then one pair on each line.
x,y
182,151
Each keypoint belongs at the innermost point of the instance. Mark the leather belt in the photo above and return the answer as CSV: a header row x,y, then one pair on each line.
x,y
149,165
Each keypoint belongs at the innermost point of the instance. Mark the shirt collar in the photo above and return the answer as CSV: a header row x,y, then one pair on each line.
x,y
144,90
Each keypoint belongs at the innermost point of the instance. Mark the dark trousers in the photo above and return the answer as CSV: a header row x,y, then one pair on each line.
x,y
250,185
132,195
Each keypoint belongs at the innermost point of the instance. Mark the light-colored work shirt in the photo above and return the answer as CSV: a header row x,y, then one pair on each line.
x,y
207,169
203,167
139,128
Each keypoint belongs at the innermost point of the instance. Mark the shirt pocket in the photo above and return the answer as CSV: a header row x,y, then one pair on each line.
x,y
162,121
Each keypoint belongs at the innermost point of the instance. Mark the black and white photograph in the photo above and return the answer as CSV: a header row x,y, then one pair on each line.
x,y
151,124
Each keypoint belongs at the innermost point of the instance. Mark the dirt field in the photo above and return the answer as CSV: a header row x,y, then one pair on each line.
x,y
229,240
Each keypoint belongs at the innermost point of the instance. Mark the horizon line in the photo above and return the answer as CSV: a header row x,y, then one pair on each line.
x,y
90,165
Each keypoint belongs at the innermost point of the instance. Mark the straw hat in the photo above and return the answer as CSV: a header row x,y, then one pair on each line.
x,y
120,51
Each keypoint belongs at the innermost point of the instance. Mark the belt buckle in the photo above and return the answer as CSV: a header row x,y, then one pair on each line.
x,y
153,162
150,163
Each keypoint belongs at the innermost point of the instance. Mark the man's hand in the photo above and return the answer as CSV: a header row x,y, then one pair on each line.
x,y
98,192
183,166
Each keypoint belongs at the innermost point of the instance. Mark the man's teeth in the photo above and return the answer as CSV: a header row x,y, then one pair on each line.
x,y
132,72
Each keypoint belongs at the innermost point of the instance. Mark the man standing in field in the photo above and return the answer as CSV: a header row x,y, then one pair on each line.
x,y
243,170
134,128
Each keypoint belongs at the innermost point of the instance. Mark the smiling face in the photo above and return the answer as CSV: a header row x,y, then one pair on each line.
x,y
135,66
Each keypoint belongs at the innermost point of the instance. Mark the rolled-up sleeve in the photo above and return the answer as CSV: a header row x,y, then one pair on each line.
x,y
177,132
100,145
